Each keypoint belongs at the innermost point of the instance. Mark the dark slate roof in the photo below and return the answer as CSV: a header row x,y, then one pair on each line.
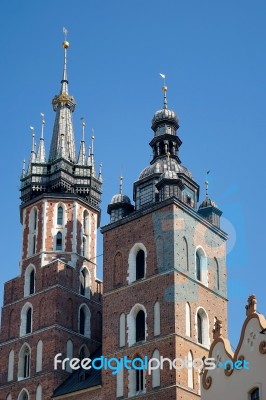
x,y
74,382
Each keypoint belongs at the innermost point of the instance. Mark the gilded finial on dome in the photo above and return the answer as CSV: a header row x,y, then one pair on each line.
x,y
164,89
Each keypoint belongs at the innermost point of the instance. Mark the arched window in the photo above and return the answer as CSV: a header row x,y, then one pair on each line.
x,y
60,216
84,321
69,351
84,352
39,356
24,395
10,373
39,393
24,362
202,327
190,381
217,273
29,321
85,282
140,264
201,270
157,319
188,324
156,373
136,324
26,319
140,326
255,394
9,397
137,263
29,280
122,330
59,241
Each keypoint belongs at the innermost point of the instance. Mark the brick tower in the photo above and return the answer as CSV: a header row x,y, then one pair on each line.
x,y
164,274
54,305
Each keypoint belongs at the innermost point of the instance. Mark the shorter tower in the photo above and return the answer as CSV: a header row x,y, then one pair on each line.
x,y
54,305
164,275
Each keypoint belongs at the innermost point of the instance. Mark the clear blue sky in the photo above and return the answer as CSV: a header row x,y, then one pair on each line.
x,y
213,54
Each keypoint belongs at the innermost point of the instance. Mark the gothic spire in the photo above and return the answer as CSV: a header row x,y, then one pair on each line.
x,y
82,150
40,158
63,140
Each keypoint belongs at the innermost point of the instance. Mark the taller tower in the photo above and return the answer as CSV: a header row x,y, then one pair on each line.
x,y
54,305
164,273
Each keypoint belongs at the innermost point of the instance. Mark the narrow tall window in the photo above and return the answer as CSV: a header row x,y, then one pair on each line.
x,y
156,376
203,327
122,330
82,321
60,216
26,365
86,222
140,264
82,282
32,282
59,241
28,320
23,395
10,375
255,394
199,324
190,381
198,267
140,326
24,362
39,356
35,220
188,325
217,274
39,393
84,246
139,378
185,250
33,244
157,318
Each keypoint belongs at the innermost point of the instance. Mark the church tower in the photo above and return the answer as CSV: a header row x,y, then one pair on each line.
x,y
164,274
54,305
